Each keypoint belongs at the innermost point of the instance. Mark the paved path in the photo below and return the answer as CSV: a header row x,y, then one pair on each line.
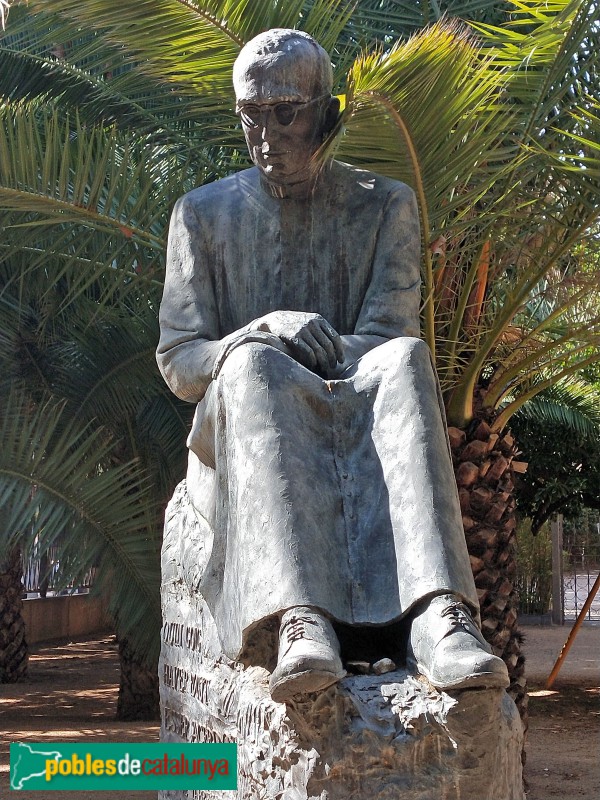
x,y
542,647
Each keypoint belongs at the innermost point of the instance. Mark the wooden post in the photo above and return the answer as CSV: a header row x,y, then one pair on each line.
x,y
558,617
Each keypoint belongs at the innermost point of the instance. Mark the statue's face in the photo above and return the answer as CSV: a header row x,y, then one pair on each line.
x,y
282,121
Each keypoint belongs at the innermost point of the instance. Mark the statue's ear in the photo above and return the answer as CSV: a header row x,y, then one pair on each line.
x,y
332,113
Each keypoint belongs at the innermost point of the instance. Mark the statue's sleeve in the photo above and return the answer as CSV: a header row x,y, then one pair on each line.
x,y
391,304
189,322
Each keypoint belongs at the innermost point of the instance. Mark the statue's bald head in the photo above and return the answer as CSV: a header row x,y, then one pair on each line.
x,y
282,64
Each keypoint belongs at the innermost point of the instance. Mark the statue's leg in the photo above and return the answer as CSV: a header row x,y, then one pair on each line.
x,y
338,496
435,581
278,531
419,511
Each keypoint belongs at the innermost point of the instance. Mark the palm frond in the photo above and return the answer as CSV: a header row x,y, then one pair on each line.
x,y
86,74
552,85
374,21
83,203
161,425
561,368
426,112
499,214
106,371
51,483
62,171
560,322
573,405
193,43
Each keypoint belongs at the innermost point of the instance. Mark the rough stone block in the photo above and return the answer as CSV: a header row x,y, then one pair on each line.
x,y
371,737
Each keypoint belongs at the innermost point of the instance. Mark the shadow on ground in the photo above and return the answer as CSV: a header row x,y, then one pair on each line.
x,y
70,695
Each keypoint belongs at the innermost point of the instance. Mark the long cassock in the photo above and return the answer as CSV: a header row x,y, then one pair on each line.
x,y
338,491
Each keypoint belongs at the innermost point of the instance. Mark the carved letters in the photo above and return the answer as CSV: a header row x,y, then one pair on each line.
x,y
185,682
190,729
176,634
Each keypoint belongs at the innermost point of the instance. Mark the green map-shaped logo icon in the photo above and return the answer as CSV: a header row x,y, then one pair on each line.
x,y
27,762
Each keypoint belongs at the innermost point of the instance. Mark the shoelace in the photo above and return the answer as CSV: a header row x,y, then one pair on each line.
x,y
459,617
296,628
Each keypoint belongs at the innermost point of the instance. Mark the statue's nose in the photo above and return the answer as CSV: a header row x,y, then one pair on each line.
x,y
266,124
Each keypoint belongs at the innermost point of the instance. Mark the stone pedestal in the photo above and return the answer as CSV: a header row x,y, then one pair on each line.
x,y
368,738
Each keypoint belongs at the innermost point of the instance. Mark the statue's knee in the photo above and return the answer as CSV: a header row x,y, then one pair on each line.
x,y
240,359
409,349
245,360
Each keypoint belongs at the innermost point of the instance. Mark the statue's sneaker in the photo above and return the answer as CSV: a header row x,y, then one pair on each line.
x,y
308,659
448,648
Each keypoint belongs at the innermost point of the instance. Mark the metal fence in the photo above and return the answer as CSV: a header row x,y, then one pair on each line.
x,y
556,570
579,574
42,577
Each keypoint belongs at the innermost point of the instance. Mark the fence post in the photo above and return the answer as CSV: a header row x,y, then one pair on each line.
x,y
558,616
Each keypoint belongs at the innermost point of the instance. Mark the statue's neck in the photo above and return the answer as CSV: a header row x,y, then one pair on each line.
x,y
297,190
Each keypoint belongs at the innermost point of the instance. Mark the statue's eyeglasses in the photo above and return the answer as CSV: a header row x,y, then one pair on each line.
x,y
284,113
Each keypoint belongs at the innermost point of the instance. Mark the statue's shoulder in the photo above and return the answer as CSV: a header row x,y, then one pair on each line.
x,y
364,183
218,195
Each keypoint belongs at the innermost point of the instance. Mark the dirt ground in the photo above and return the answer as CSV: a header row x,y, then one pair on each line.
x,y
71,695
563,741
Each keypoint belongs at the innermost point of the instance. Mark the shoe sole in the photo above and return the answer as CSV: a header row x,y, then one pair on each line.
x,y
477,680
301,683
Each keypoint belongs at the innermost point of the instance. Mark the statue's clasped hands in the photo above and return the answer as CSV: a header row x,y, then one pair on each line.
x,y
311,340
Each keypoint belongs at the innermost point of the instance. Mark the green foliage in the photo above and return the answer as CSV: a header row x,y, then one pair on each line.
x,y
54,486
559,434
91,442
507,180
534,569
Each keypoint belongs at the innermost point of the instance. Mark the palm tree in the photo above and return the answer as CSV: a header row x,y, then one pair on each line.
x,y
13,646
504,158
82,403
495,127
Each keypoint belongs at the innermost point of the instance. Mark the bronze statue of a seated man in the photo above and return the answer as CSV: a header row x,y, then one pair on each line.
x,y
319,454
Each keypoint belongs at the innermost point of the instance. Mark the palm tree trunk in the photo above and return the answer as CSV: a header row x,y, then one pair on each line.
x,y
138,690
13,646
484,473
